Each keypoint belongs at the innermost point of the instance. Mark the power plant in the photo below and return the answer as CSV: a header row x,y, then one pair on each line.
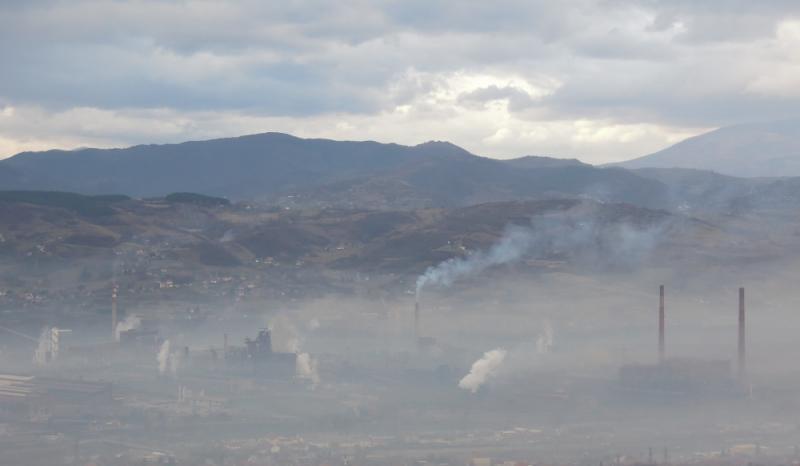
x,y
686,376
208,381
258,357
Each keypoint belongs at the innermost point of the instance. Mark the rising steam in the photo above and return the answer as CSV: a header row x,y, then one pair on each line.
x,y
285,338
306,368
482,370
131,322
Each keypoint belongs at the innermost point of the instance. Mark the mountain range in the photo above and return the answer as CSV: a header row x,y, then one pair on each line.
x,y
275,166
280,169
286,209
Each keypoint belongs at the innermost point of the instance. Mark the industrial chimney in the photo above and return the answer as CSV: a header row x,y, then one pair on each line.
x,y
661,342
114,312
742,342
416,321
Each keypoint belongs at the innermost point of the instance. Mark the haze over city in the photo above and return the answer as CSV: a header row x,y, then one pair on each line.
x,y
313,233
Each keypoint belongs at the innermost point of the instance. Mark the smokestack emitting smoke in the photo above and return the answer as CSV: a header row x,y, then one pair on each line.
x,y
661,341
742,342
306,368
482,370
163,357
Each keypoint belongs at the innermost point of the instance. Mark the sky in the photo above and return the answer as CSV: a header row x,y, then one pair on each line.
x,y
598,80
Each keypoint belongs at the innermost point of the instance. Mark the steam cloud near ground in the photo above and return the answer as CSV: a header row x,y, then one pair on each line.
x,y
483,369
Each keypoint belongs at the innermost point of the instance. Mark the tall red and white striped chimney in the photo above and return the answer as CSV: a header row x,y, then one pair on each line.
x,y
742,339
661,342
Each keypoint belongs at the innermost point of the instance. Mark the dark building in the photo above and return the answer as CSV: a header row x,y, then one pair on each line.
x,y
257,355
679,376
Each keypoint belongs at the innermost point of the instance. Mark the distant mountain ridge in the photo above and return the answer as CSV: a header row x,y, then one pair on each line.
x,y
769,149
276,166
293,172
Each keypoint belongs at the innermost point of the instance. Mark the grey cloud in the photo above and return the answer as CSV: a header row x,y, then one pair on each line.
x,y
621,60
721,20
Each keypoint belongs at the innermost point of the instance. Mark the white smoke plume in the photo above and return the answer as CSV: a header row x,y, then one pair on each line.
x,y
227,237
163,357
512,246
306,368
131,322
285,338
544,342
589,238
483,369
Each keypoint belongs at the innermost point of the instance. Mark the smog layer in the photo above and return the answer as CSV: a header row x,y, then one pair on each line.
x,y
340,323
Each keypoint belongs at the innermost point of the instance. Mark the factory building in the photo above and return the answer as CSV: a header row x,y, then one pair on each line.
x,y
42,399
685,376
257,355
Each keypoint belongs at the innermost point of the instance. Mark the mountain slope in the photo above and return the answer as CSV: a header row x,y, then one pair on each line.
x,y
237,167
158,232
749,150
275,167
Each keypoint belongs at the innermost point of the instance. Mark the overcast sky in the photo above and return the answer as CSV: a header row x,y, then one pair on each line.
x,y
601,80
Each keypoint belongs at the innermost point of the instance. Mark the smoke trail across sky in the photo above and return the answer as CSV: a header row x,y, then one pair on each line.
x,y
590,238
512,246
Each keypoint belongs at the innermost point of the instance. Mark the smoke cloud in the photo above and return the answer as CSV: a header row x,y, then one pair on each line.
x,y
512,246
590,240
227,237
131,322
306,368
483,369
285,338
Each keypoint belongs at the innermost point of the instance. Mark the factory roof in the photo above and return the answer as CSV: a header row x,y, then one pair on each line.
x,y
19,387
